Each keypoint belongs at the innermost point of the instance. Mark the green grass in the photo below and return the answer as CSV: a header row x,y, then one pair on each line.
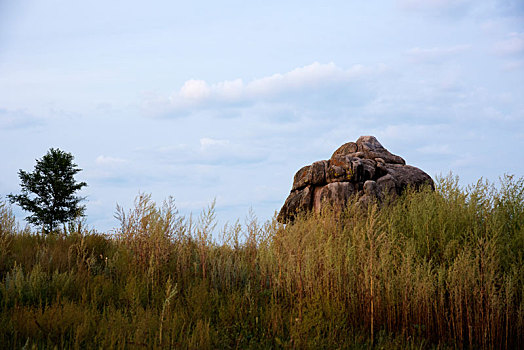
x,y
441,269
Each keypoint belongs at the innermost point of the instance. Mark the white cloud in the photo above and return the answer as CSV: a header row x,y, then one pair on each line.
x,y
513,65
435,53
196,94
415,132
13,119
194,90
109,161
230,90
435,149
514,44
430,4
206,151
490,12
466,160
313,75
206,143
451,7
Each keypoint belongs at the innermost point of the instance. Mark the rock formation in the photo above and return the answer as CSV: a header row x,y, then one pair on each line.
x,y
363,168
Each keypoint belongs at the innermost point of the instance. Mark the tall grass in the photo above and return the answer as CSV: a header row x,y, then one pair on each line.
x,y
441,269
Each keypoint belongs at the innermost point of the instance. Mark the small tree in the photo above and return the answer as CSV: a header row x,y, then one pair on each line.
x,y
48,192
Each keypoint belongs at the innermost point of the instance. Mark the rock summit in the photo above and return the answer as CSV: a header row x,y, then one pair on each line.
x,y
363,168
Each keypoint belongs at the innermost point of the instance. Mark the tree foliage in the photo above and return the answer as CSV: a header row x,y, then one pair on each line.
x,y
49,191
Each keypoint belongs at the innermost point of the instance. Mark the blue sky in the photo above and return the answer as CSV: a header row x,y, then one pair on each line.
x,y
203,99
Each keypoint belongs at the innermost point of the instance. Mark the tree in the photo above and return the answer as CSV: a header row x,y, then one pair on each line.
x,y
48,192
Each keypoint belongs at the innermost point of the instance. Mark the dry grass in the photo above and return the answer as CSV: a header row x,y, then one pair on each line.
x,y
431,270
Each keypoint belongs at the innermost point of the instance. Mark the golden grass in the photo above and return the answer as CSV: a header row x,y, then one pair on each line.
x,y
441,269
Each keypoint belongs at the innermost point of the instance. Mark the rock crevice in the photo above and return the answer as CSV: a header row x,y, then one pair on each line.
x,y
363,168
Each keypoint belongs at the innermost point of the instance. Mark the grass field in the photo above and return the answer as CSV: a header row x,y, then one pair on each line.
x,y
442,269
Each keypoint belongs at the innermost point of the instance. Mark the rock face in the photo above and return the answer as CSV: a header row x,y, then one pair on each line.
x,y
363,168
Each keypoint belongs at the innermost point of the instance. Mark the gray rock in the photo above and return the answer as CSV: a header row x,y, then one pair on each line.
x,y
298,201
371,188
302,178
371,148
407,175
357,169
336,174
318,172
335,194
363,168
380,170
346,149
369,166
342,161
387,185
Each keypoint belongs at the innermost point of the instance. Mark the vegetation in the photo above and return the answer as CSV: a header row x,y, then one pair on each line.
x,y
441,269
48,192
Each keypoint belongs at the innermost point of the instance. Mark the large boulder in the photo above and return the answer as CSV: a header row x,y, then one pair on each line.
x,y
363,168
372,149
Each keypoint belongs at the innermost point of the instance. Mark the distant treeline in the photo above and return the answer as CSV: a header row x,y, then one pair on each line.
x,y
433,269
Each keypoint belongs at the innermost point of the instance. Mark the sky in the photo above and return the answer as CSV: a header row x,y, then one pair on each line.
x,y
225,101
